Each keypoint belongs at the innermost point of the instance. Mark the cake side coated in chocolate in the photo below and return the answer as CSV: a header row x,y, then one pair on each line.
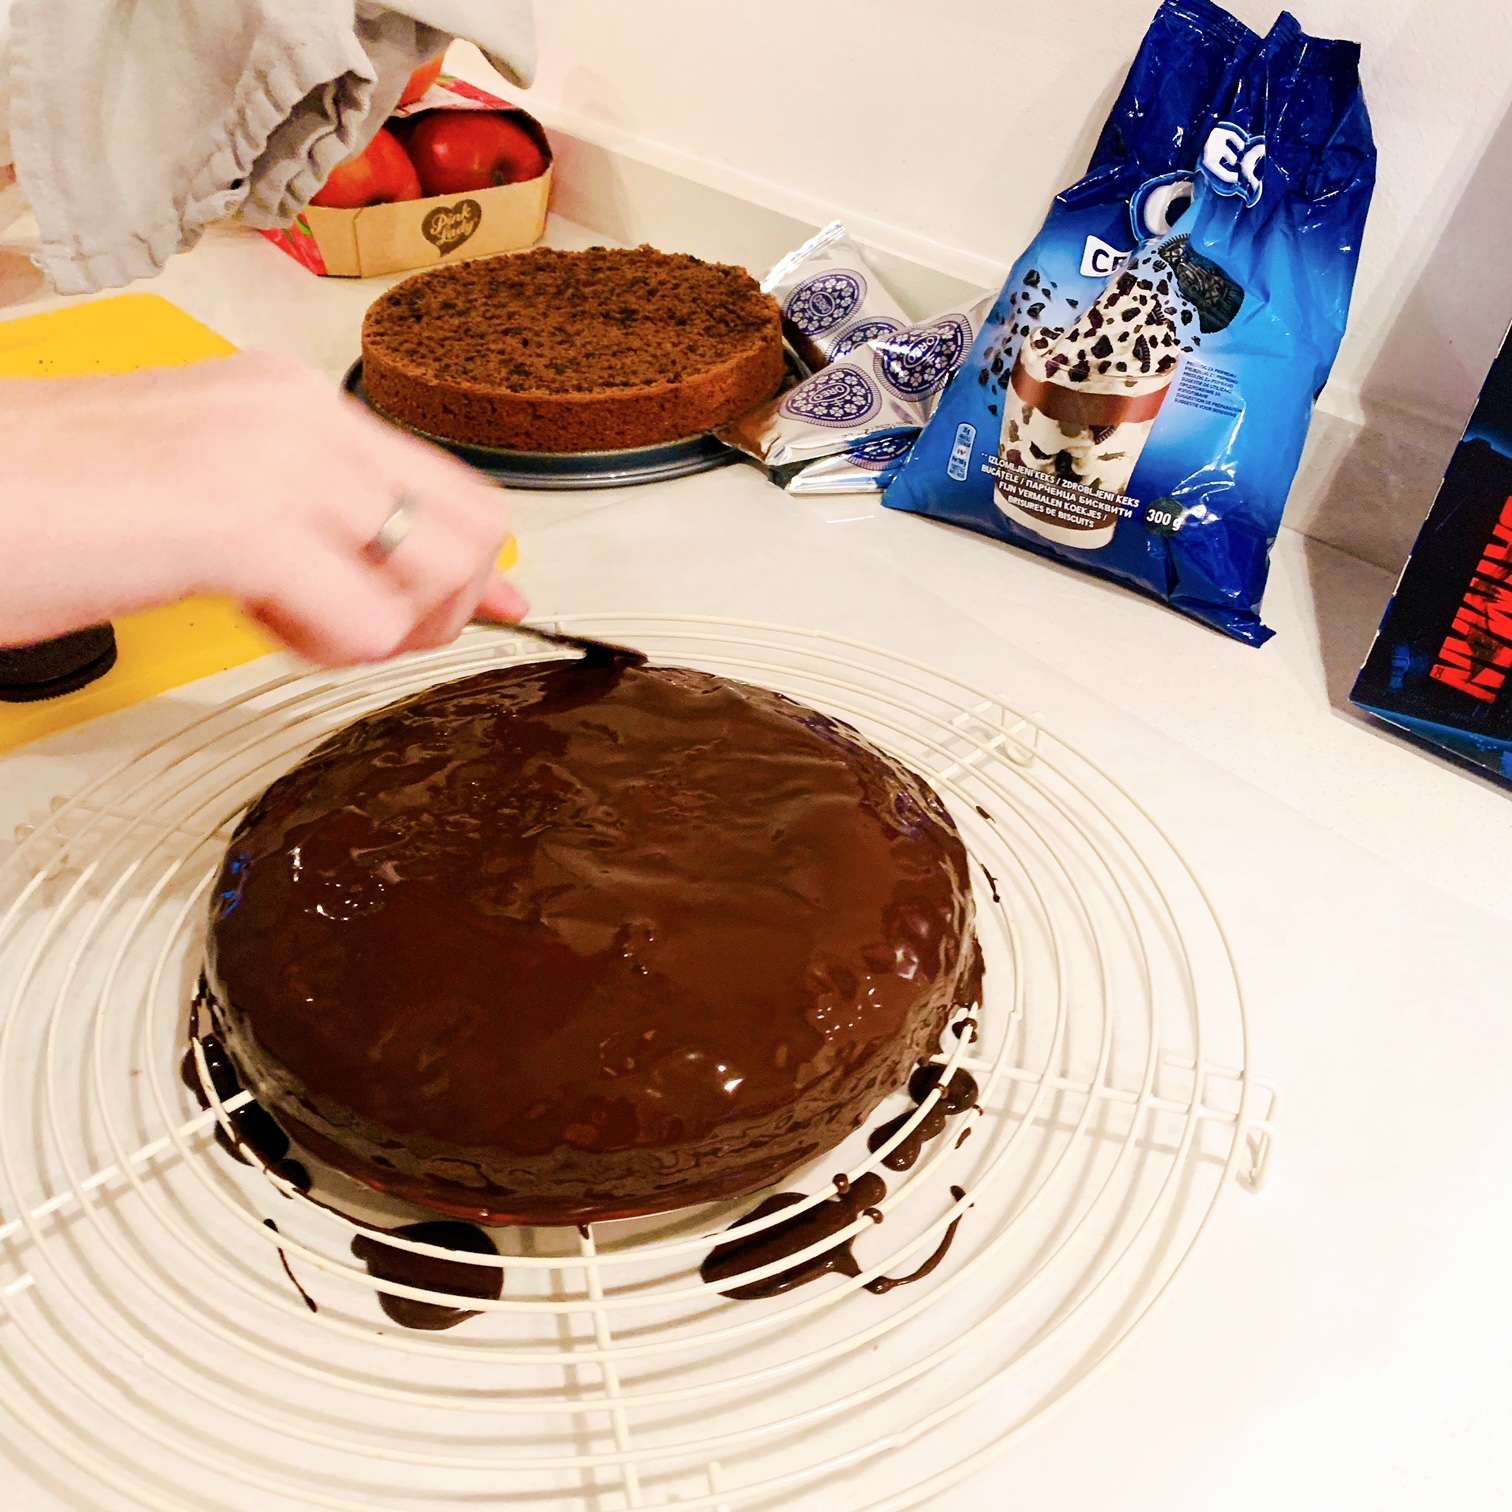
x,y
551,351
569,941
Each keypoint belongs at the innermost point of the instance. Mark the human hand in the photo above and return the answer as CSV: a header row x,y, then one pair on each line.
x,y
245,476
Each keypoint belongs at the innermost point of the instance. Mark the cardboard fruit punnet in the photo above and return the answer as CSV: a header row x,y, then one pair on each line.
x,y
439,228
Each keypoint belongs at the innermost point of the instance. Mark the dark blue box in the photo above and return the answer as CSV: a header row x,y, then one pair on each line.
x,y
1441,665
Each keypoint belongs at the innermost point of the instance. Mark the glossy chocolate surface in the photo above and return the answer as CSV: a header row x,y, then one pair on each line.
x,y
576,940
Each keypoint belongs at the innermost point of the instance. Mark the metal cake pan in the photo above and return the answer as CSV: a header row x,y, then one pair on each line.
x,y
597,469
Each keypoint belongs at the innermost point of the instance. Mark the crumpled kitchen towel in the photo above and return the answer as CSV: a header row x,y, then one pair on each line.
x,y
134,126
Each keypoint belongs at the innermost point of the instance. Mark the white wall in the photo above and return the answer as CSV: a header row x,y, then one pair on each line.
x,y
941,131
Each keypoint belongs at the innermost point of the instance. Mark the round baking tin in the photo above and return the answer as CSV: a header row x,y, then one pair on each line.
x,y
623,468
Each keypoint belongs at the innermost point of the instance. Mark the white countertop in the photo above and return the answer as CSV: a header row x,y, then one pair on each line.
x,y
1339,1340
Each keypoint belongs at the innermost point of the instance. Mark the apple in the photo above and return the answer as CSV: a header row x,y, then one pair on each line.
x,y
377,176
421,80
459,150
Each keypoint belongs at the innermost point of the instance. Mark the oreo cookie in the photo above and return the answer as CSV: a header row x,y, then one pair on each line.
x,y
51,668
840,394
827,295
1216,297
920,360
873,456
825,301
862,332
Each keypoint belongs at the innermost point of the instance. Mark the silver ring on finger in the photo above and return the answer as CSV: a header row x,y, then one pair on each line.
x,y
391,535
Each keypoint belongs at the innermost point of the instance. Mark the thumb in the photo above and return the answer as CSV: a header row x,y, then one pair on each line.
x,y
502,601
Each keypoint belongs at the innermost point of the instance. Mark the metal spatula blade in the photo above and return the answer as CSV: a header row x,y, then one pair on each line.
x,y
593,650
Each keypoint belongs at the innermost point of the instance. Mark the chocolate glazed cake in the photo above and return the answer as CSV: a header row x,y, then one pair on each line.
x,y
579,940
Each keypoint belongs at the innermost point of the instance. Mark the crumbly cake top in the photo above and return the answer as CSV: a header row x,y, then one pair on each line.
x,y
553,322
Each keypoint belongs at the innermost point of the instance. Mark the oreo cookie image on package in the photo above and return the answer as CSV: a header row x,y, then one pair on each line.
x,y
882,388
1137,400
831,301
867,468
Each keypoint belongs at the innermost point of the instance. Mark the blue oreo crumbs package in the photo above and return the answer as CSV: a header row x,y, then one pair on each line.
x,y
1137,400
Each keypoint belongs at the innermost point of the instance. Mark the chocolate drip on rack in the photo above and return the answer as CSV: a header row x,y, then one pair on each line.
x,y
309,1301
879,1286
960,1093
252,1125
735,1257
387,1262
958,1096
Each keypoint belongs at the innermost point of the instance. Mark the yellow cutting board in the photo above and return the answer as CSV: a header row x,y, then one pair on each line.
x,y
159,648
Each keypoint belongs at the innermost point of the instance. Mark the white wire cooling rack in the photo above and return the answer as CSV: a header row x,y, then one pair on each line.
x,y
153,1352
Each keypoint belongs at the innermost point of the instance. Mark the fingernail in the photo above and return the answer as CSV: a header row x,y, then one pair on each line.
x,y
503,601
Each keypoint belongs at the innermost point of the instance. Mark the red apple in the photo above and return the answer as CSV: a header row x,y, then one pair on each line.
x,y
421,80
381,174
459,150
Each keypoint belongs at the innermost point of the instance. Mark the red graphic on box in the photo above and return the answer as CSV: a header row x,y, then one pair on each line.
x,y
299,242
451,93
472,92
1477,653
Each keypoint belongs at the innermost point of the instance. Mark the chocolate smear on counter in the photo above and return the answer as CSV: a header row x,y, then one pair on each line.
x,y
879,1286
387,1262
734,1257
963,1136
309,1301
957,1097
251,1124
983,812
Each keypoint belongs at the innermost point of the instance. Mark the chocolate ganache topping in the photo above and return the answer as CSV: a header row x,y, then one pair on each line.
x,y
577,940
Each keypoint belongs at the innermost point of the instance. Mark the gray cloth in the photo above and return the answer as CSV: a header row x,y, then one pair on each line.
x,y
134,126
